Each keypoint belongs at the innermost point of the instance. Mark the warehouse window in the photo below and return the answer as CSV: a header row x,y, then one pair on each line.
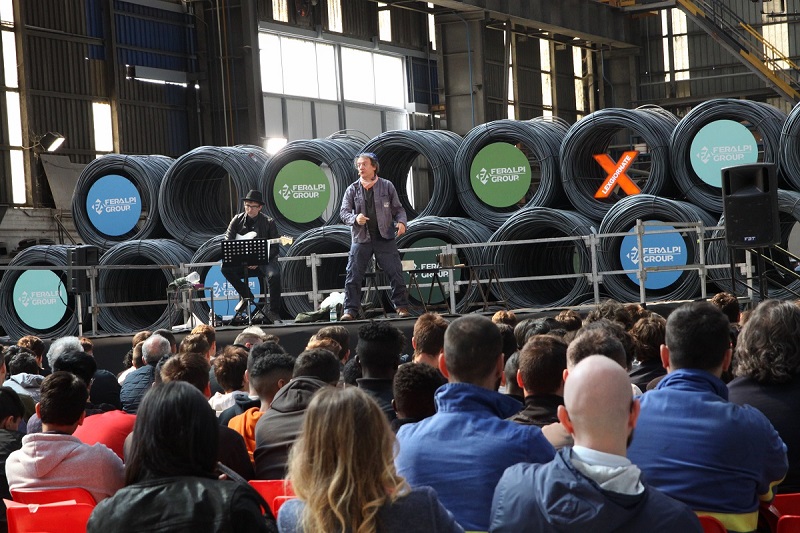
x,y
547,79
280,10
676,42
776,43
103,132
577,72
432,28
384,22
13,122
335,16
287,65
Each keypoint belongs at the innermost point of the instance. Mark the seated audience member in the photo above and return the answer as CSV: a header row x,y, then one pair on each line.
x,y
20,378
140,380
242,404
615,329
591,486
505,317
512,387
768,375
341,335
251,336
463,449
11,413
351,373
602,337
209,333
171,480
36,346
509,340
414,387
428,338
229,368
167,334
648,336
326,343
196,343
541,376
104,388
342,472
57,459
378,353
110,428
278,428
610,310
533,326
267,372
691,442
193,369
133,360
569,320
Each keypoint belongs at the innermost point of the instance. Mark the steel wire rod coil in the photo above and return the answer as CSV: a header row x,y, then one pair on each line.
x,y
23,299
780,284
539,140
594,134
622,217
762,120
789,157
434,231
557,258
296,275
202,189
143,175
398,150
334,157
131,284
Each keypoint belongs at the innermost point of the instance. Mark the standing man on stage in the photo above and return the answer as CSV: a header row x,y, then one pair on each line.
x,y
372,208
253,224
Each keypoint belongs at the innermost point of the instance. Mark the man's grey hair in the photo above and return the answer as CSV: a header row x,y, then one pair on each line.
x,y
154,348
251,335
60,347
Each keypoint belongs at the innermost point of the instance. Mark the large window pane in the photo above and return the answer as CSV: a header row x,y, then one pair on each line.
x,y
6,12
271,69
299,65
384,22
103,132
334,15
9,59
326,72
389,81
13,119
359,78
17,177
280,10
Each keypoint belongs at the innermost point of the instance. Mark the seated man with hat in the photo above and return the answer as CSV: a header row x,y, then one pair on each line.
x,y
253,224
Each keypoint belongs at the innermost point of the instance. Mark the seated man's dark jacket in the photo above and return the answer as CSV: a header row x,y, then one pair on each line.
x,y
135,386
540,410
242,404
264,227
382,392
279,426
182,504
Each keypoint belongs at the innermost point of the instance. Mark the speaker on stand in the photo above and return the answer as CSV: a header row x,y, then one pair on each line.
x,y
77,278
750,207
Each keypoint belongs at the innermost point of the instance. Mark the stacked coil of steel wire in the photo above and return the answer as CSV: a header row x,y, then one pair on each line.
x,y
201,191
781,285
334,154
131,284
594,134
764,121
296,275
539,141
622,217
145,172
13,324
450,230
557,258
397,150
789,157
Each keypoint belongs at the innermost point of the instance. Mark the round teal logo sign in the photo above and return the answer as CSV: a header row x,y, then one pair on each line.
x,y
500,174
429,291
40,299
225,296
302,191
720,144
663,249
113,205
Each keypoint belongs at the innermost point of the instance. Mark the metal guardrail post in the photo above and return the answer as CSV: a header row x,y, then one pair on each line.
x,y
313,262
641,275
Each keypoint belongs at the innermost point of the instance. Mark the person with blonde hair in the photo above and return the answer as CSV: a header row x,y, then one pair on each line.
x,y
342,470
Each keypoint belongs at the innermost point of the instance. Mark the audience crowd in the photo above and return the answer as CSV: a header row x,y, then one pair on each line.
x,y
619,420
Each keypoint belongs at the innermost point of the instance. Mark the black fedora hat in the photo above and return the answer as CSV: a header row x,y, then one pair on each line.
x,y
254,196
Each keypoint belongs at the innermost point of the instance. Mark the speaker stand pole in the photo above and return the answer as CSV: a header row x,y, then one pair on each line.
x,y
733,269
762,279
79,312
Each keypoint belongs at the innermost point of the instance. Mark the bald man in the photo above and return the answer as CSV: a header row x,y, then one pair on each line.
x,y
591,486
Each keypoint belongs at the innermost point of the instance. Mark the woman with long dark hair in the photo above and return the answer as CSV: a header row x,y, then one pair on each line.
x,y
171,483
342,470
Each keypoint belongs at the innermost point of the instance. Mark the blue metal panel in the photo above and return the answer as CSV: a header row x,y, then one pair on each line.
x,y
94,27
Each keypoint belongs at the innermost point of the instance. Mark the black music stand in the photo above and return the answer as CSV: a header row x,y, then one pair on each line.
x,y
245,253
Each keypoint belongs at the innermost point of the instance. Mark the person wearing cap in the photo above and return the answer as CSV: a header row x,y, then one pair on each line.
x,y
252,223
373,210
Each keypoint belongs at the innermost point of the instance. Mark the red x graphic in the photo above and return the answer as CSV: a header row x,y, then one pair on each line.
x,y
616,174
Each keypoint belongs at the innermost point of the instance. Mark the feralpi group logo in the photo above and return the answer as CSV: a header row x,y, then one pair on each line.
x,y
662,249
39,299
500,174
114,205
225,296
302,191
720,144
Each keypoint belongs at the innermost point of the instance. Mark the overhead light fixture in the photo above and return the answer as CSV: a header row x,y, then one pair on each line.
x,y
51,141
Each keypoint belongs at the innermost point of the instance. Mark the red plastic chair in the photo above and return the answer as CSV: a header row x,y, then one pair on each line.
x,y
62,517
279,501
42,496
270,489
787,504
789,524
712,525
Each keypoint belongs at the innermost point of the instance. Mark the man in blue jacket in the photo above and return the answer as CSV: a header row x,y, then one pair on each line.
x,y
464,448
691,442
373,210
592,486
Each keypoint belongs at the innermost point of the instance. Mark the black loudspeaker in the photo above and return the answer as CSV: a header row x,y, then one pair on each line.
x,y
80,256
750,206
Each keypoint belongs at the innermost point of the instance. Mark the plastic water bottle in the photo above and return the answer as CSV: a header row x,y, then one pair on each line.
x,y
333,318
